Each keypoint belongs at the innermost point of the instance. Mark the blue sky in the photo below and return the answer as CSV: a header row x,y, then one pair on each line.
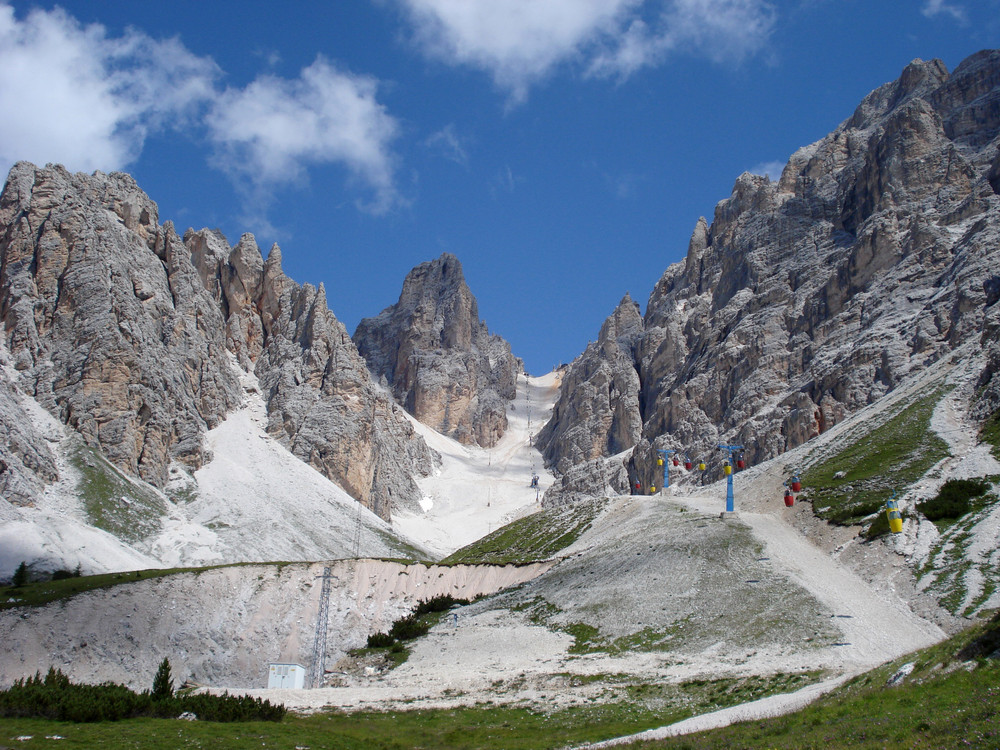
x,y
562,149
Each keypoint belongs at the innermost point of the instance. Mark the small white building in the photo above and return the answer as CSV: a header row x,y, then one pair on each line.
x,y
286,676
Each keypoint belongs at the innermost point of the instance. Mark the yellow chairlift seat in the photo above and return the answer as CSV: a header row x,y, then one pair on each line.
x,y
895,518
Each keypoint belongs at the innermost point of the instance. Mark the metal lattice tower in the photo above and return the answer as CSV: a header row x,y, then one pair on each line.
x,y
357,531
319,644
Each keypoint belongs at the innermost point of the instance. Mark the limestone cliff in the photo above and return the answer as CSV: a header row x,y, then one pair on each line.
x,y
874,255
439,358
598,411
127,333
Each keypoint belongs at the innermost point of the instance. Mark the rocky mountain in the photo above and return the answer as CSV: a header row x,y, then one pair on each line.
x,y
598,412
135,338
806,299
439,358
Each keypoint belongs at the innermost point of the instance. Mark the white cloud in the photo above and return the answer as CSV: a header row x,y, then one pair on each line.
x,y
71,94
448,144
270,131
517,41
772,169
74,95
504,181
521,41
937,7
719,30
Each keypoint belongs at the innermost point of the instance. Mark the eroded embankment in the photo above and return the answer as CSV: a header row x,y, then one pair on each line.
x,y
224,626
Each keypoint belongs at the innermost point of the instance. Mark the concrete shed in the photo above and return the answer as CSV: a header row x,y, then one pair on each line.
x,y
286,676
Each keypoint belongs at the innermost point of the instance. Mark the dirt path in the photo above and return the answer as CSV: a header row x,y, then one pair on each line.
x,y
876,628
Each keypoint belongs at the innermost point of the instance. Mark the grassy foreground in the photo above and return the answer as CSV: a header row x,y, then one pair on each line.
x,y
951,698
464,728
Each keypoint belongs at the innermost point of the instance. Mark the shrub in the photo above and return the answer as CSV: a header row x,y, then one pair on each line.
x,y
56,698
380,640
440,603
952,500
408,628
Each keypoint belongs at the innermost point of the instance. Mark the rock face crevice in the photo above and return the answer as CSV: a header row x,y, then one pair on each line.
x,y
127,333
808,298
439,358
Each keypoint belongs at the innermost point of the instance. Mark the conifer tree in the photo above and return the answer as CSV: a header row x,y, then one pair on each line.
x,y
21,574
162,684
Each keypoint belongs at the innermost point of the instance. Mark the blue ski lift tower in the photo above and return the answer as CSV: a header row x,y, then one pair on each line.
x,y
728,469
664,461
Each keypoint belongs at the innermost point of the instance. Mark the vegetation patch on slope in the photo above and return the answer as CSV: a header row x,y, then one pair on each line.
x,y
390,646
963,583
115,503
39,593
852,485
944,696
629,707
539,536
990,433
955,498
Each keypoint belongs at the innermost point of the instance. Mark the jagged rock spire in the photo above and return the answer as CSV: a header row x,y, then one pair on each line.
x,y
439,358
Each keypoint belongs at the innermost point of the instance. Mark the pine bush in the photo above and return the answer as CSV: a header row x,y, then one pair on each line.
x,y
380,640
55,697
408,628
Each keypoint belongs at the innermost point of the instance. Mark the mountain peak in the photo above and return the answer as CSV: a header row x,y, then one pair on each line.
x,y
443,365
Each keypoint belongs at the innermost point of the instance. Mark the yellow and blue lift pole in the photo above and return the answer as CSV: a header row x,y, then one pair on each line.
x,y
665,460
730,501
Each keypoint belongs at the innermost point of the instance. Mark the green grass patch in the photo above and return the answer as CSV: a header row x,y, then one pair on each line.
x,y
950,699
990,433
539,536
953,500
854,484
633,707
115,503
961,584
39,593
